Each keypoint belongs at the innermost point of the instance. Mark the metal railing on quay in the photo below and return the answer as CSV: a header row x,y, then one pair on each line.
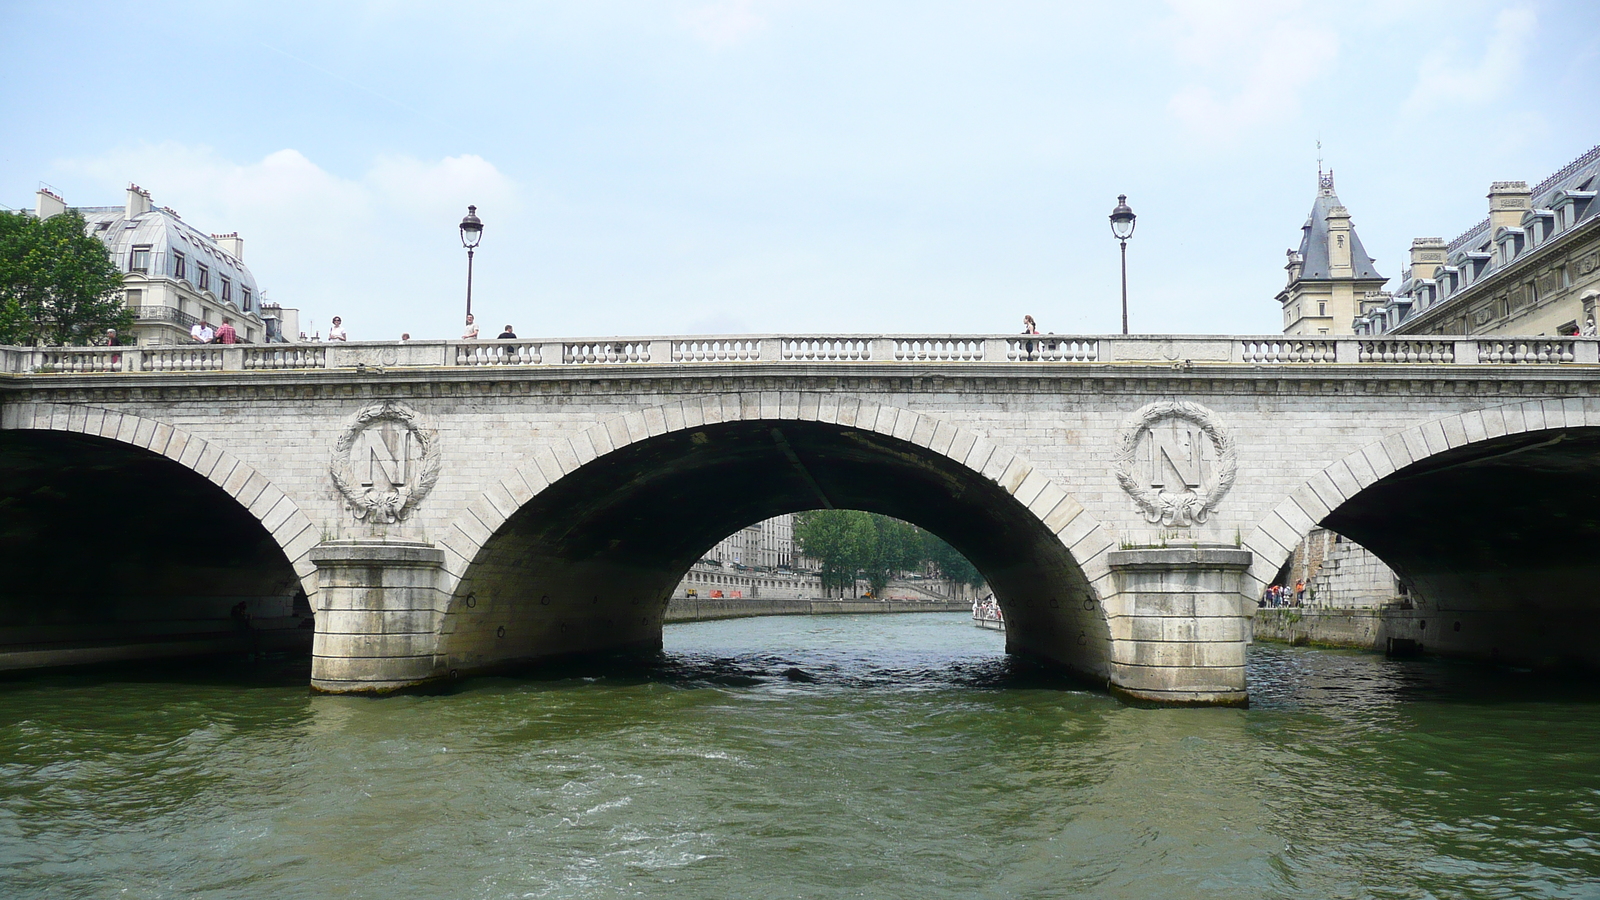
x,y
1049,350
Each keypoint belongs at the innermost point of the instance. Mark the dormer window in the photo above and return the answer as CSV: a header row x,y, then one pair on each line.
x,y
246,300
203,276
1510,242
178,270
139,259
1541,224
1449,278
1476,261
226,287
1570,206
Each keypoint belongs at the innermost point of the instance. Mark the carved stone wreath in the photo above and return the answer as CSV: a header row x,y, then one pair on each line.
x,y
369,503
1166,507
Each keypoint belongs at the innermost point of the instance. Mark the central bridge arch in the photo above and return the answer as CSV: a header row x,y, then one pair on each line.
x,y
579,550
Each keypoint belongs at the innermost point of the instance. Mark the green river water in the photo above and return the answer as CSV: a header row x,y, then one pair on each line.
x,y
906,758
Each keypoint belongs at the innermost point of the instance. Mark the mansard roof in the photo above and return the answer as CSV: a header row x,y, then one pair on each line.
x,y
1314,239
162,232
1571,184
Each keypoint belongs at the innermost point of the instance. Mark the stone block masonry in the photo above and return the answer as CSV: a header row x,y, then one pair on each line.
x,y
447,510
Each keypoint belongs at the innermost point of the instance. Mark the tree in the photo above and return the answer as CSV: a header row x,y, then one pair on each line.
x,y
950,563
895,548
840,540
58,284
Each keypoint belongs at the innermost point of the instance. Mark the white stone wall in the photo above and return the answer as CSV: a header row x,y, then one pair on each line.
x,y
705,579
1307,436
1352,577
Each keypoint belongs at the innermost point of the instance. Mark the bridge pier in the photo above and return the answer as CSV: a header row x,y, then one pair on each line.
x,y
378,616
1179,625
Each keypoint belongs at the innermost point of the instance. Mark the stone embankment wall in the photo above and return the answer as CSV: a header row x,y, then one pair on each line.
x,y
143,628
703,609
1361,629
1353,577
757,585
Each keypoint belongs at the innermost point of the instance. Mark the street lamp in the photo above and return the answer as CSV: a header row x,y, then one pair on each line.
x,y
471,234
1122,228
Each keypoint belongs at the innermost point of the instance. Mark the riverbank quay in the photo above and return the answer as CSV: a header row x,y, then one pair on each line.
x,y
1395,631
25,648
704,609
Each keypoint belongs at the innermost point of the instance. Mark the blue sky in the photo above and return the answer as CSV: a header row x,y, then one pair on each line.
x,y
732,166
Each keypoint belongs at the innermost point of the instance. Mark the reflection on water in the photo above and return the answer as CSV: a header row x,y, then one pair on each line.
x,y
886,756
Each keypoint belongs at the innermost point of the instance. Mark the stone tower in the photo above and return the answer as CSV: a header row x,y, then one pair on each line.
x,y
1329,273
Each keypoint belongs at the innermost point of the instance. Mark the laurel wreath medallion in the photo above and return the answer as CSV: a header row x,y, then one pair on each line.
x,y
1166,507
371,504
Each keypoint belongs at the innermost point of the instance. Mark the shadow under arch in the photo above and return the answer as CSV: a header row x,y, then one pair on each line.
x,y
117,549
1489,516
586,557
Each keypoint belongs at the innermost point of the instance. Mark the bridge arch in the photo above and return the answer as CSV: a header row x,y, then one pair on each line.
x,y
1485,514
151,449
726,461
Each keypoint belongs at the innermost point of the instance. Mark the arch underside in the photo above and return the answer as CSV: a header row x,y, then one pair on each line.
x,y
112,552
589,563
1499,542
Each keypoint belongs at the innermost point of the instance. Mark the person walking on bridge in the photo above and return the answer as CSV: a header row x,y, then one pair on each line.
x,y
1029,327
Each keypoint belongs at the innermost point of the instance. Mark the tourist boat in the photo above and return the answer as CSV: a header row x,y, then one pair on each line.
x,y
986,614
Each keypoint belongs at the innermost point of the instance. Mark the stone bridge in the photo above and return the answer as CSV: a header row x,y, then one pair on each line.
x,y
448,508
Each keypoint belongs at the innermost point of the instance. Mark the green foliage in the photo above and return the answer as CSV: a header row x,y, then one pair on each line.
x,y
895,547
951,564
838,539
848,544
58,285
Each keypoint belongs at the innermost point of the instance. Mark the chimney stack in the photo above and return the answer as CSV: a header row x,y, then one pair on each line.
x,y
1339,256
1508,200
231,244
1427,255
138,201
49,203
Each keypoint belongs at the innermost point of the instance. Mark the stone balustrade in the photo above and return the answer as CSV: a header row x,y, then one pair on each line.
x,y
1179,351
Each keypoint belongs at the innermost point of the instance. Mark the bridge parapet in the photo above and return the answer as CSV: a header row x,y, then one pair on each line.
x,y
1172,350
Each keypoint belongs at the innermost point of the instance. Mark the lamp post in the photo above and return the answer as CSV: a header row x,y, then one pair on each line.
x,y
471,234
1122,228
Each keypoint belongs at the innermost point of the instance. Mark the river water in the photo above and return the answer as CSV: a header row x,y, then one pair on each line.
x,y
903,756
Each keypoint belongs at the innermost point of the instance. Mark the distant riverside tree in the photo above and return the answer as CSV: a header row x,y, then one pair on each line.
x,y
848,544
896,548
952,565
839,540
58,285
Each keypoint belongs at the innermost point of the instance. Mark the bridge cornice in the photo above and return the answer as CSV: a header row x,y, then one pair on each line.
x,y
1119,378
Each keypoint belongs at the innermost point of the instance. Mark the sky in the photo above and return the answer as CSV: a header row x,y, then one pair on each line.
x,y
656,167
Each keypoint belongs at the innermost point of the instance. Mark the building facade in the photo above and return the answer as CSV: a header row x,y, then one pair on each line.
x,y
765,545
174,275
1330,273
1531,267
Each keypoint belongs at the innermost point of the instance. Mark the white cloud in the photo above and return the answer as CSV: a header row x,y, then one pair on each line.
x,y
1443,81
1247,62
367,246
724,22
